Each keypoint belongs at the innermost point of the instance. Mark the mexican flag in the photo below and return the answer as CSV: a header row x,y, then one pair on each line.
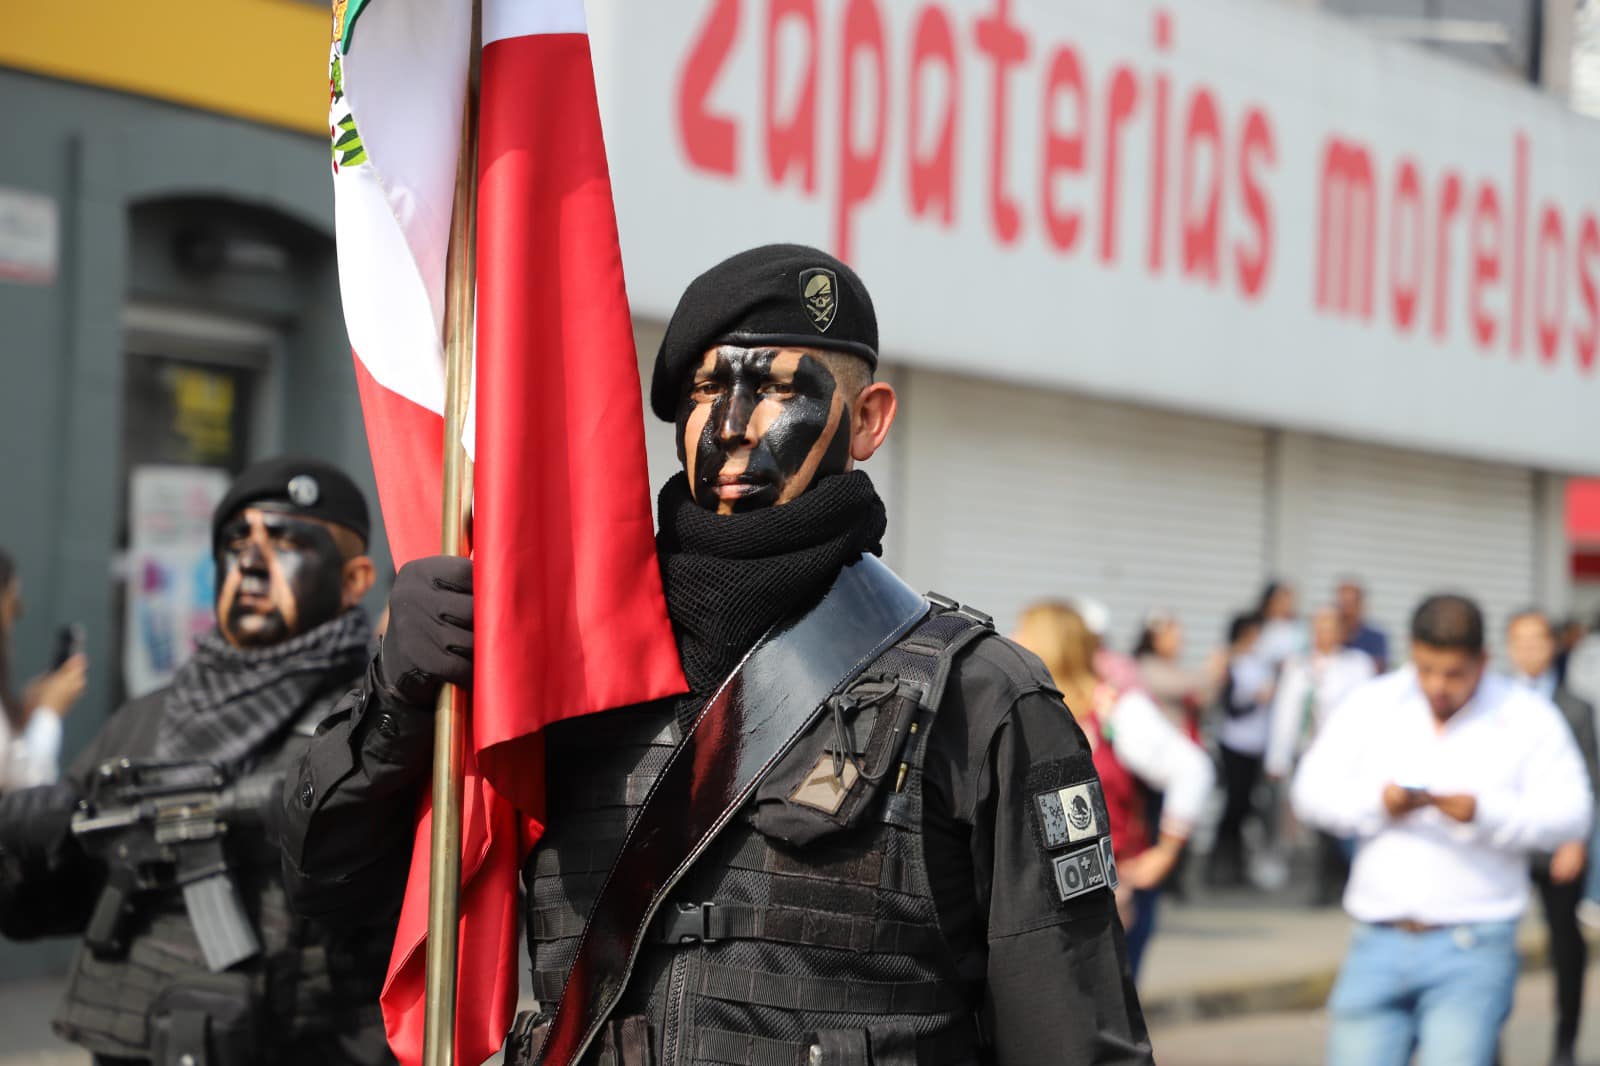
x,y
570,616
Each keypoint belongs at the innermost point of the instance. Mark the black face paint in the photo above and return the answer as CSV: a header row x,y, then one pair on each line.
x,y
278,582
758,418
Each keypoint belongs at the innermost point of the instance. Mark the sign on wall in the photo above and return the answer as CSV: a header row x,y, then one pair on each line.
x,y
1242,208
170,570
30,239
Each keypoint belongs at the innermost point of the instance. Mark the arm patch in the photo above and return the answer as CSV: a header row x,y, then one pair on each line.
x,y
1085,869
1072,827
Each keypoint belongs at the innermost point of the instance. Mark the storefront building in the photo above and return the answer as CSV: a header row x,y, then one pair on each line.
x,y
1177,299
168,312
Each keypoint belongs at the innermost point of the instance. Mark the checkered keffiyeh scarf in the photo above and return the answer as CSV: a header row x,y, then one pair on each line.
x,y
227,703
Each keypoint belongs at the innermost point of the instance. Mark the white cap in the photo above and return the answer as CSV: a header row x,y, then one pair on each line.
x,y
1095,615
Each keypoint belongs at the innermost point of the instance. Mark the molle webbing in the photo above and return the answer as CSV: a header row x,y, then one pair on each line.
x,y
711,922
827,995
955,1048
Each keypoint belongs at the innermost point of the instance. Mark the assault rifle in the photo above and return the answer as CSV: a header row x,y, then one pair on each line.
x,y
159,825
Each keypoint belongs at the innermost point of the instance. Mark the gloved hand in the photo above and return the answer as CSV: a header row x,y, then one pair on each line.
x,y
429,639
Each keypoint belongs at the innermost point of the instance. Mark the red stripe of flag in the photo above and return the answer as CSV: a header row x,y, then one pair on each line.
x,y
570,616
563,493
407,445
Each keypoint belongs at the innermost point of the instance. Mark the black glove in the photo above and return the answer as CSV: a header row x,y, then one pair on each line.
x,y
429,639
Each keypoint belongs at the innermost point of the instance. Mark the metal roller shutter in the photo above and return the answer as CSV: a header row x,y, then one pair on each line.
x,y
1409,524
1014,494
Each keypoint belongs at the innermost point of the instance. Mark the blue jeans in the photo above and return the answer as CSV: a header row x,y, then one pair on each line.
x,y
1444,993
1591,887
1143,925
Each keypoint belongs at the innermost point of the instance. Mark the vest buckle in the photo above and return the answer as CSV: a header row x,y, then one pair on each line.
x,y
688,923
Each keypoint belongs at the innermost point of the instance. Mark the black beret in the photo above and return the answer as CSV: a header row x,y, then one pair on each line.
x,y
301,486
778,294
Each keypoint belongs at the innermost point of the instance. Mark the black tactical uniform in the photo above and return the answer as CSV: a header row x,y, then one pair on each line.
x,y
910,884
317,985
929,924
310,994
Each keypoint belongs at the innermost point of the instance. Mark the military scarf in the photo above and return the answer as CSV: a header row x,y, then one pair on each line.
x,y
730,577
226,704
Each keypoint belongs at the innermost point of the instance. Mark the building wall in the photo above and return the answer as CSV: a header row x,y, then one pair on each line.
x,y
100,155
263,60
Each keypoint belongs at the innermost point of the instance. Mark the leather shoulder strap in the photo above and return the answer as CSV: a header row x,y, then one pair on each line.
x,y
745,727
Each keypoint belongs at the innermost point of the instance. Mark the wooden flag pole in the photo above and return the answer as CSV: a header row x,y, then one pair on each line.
x,y
449,735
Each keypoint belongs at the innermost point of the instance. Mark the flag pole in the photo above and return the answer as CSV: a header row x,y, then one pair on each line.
x,y
450,721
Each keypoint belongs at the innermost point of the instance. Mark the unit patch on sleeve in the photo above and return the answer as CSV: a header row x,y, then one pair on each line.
x,y
1068,815
1085,869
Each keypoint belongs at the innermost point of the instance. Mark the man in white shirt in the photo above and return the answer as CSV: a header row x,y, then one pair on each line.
x,y
1449,778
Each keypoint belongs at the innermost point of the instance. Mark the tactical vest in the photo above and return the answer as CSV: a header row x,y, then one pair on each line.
x,y
807,935
311,995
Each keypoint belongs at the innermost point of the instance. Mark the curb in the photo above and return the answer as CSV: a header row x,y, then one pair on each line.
x,y
1295,992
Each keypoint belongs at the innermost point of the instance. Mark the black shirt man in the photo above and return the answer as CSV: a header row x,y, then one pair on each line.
x,y
291,567
951,909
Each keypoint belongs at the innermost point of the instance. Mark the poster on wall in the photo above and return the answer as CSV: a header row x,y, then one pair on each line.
x,y
170,570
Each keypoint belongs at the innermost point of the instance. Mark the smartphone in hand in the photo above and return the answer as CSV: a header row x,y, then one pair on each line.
x,y
69,642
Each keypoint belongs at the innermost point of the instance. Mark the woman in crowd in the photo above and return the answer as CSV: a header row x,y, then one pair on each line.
x,y
1182,692
1242,733
1282,635
30,726
1131,740
1310,686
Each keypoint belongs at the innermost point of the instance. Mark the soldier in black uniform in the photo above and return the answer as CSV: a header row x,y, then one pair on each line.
x,y
291,568
921,878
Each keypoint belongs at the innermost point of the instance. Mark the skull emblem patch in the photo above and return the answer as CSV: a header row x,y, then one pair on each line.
x,y
819,291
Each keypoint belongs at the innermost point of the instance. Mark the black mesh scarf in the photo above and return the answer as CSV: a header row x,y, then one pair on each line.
x,y
227,704
729,577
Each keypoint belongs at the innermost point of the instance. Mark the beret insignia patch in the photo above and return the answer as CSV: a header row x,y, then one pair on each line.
x,y
304,491
819,289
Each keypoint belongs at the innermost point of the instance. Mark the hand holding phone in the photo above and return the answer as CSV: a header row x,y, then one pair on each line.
x,y
1400,800
69,642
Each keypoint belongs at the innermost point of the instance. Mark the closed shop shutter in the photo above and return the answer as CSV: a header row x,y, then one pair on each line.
x,y
1409,524
1013,494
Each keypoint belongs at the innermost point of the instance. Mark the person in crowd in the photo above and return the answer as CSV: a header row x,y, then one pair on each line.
x,y
1558,875
1182,692
1580,671
1245,722
289,540
1310,687
1132,741
840,902
1569,634
1581,677
1450,777
30,723
1121,670
1350,597
1282,635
